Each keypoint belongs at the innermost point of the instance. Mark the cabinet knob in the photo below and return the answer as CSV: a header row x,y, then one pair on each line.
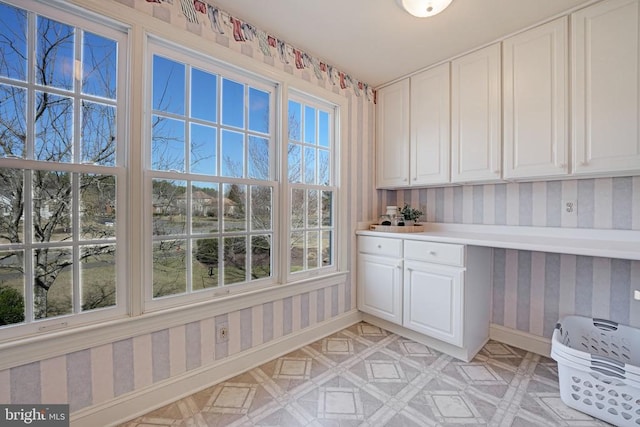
x,y
404,179
584,163
379,246
432,253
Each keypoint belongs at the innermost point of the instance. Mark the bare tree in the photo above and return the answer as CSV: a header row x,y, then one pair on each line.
x,y
52,192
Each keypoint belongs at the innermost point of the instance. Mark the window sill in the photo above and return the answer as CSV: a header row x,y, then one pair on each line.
x,y
47,345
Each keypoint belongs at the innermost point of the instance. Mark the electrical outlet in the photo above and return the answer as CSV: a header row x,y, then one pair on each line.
x,y
569,207
222,332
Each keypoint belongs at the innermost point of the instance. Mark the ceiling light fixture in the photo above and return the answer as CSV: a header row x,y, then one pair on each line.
x,y
424,8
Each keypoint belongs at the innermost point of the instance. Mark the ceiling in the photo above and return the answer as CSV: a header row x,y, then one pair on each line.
x,y
375,41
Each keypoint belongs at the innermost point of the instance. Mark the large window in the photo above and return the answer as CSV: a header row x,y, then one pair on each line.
x,y
215,182
235,173
211,171
61,169
310,164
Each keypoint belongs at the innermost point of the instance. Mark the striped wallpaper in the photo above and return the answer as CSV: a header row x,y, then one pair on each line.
x,y
108,371
606,203
532,290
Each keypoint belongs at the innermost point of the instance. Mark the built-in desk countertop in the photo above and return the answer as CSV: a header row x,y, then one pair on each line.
x,y
622,244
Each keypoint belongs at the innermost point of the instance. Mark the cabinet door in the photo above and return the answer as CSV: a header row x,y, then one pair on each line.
x,y
433,300
605,101
392,135
430,122
380,287
535,102
476,116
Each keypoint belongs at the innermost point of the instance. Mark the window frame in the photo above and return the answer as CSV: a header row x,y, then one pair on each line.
x,y
194,59
307,99
283,91
104,27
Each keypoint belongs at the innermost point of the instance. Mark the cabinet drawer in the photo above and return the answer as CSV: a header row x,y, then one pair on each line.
x,y
441,253
380,246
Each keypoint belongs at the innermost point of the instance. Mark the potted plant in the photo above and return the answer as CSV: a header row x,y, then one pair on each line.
x,y
410,214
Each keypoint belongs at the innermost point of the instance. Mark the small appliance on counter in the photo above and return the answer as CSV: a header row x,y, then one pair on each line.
x,y
393,221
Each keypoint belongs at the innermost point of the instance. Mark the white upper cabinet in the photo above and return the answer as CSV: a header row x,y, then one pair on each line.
x,y
392,135
534,68
605,98
413,130
430,122
476,116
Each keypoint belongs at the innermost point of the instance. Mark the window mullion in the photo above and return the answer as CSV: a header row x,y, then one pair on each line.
x,y
220,234
187,118
28,250
282,231
188,206
31,78
188,202
76,97
75,177
28,175
75,251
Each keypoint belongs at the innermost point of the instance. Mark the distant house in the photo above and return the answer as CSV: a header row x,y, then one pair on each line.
x,y
46,209
230,207
5,206
204,204
164,205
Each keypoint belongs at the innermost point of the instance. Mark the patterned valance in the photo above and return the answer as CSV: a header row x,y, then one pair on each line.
x,y
212,19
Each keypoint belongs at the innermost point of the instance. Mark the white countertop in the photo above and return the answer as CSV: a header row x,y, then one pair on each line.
x,y
622,244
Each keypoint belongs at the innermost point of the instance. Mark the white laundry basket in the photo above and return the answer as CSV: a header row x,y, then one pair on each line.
x,y
598,368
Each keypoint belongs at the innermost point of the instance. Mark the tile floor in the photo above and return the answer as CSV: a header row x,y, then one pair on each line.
x,y
364,375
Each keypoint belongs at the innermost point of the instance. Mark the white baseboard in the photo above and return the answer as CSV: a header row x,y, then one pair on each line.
x,y
523,340
131,405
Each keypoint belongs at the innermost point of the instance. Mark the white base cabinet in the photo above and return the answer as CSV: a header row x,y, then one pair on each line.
x,y
444,291
433,300
381,293
379,281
